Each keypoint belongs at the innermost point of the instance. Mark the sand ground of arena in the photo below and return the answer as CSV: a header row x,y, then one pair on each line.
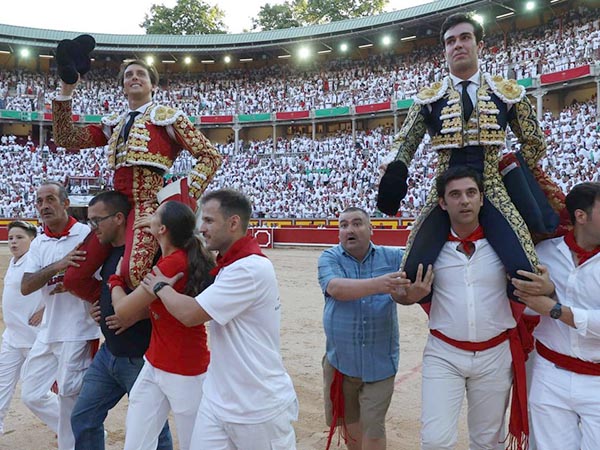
x,y
302,347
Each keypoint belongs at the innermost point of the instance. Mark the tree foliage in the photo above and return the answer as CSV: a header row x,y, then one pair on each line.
x,y
297,13
275,17
186,17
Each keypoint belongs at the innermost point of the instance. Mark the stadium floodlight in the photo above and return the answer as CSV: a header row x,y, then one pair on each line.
x,y
150,60
284,56
227,59
386,40
343,47
46,56
207,61
4,52
408,38
505,15
365,46
529,6
322,52
24,52
168,61
479,18
246,59
304,53
187,60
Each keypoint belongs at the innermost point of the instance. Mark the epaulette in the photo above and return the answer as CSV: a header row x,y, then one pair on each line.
x,y
164,115
509,91
112,119
432,93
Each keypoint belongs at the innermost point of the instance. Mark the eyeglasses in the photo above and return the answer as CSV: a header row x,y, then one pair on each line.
x,y
95,221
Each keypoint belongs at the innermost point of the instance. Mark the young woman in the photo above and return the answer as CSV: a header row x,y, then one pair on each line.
x,y
22,314
177,358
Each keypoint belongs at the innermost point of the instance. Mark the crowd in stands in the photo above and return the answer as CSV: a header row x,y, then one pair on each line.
x,y
302,178
565,42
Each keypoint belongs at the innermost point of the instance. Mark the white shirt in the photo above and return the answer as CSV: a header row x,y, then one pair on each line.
x,y
17,308
577,287
469,301
66,317
246,381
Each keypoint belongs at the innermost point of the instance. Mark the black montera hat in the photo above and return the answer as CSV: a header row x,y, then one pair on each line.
x,y
73,57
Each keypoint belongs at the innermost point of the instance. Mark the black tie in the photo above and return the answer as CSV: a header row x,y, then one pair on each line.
x,y
466,100
129,124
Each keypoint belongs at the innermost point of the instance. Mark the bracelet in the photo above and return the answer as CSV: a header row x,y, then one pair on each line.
x,y
116,280
158,286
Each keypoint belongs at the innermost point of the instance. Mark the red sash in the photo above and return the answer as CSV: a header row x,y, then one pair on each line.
x,y
568,362
64,232
582,254
472,346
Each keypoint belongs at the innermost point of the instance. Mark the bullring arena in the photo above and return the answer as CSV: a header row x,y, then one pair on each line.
x,y
303,140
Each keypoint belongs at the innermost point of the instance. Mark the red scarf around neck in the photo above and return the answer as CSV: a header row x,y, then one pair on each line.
x,y
241,248
64,232
582,254
474,236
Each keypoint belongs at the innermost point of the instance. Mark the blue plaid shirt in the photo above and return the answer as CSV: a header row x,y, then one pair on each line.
x,y
362,335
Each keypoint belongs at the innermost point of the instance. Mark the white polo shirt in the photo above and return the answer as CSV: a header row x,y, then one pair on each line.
x,y
469,301
246,381
17,308
577,287
66,317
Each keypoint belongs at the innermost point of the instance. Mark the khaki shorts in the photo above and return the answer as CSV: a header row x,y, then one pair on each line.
x,y
364,402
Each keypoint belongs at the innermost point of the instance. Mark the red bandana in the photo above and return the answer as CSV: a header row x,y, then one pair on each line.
x,y
241,248
64,232
467,243
582,254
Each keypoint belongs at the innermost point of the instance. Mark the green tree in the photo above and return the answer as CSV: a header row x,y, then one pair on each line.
x,y
324,11
275,17
186,17
297,13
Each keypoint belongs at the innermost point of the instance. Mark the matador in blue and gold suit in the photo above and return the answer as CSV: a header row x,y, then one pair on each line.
x,y
476,142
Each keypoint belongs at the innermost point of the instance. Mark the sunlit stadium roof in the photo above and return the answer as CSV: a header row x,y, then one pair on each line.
x,y
423,21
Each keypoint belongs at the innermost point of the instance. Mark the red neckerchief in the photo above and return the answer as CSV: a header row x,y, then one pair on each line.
x,y
474,236
241,248
64,232
582,254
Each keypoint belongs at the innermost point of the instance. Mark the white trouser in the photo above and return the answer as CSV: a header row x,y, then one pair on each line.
x,y
211,433
65,363
154,394
565,408
448,373
11,361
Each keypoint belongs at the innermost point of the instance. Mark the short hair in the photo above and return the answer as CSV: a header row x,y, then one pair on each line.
x,y
115,201
231,202
63,195
152,72
27,227
583,196
456,173
455,19
351,209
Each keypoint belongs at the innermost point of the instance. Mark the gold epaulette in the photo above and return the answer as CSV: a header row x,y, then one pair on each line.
x,y
164,115
432,93
509,91
112,119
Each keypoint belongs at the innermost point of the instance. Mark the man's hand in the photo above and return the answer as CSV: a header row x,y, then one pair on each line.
x,y
118,325
391,282
413,292
68,89
71,259
95,312
154,276
36,318
143,222
537,284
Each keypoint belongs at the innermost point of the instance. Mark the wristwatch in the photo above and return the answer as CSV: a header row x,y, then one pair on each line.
x,y
158,286
556,311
